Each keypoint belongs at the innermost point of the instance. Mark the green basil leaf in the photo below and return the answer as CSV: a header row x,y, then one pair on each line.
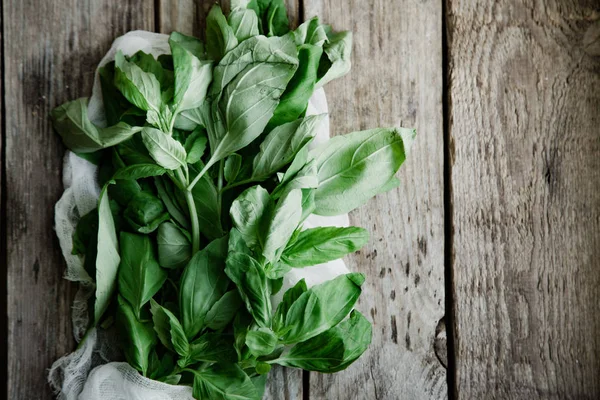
x,y
285,220
149,64
203,283
192,76
223,311
168,194
354,167
139,338
220,38
294,100
85,232
320,245
273,19
205,196
145,212
247,212
166,151
232,167
174,246
282,144
161,368
321,307
261,342
306,178
133,151
139,171
195,144
310,32
116,106
332,350
140,276
169,330
244,23
289,297
80,135
189,43
338,61
140,88
213,347
223,382
107,259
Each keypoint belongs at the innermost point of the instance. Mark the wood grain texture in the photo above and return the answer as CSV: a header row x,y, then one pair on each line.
x,y
525,174
396,80
189,17
51,51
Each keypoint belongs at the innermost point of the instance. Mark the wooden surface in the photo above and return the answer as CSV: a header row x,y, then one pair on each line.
x,y
525,132
500,201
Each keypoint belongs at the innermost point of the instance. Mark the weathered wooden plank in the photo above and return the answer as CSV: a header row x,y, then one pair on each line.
x,y
189,17
525,132
51,50
396,80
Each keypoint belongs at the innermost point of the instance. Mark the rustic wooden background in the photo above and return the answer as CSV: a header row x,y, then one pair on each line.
x,y
483,268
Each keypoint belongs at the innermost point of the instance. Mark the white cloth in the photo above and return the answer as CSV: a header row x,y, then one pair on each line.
x,y
92,372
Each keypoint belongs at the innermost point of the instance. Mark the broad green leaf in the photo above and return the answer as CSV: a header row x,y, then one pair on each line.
x,y
244,23
161,368
107,259
145,212
80,135
116,107
332,350
133,151
149,64
169,330
285,220
338,61
220,38
294,101
192,76
174,246
203,283
232,167
223,311
310,32
206,200
139,338
195,144
320,245
140,88
306,178
321,308
189,43
247,212
289,297
212,347
261,342
166,151
223,382
168,194
353,168
139,171
85,232
140,276
282,144
272,15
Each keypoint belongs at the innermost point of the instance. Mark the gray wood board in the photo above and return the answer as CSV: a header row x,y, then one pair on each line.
x,y
50,52
396,80
524,115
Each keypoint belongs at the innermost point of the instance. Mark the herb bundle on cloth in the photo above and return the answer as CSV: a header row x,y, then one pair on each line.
x,y
205,211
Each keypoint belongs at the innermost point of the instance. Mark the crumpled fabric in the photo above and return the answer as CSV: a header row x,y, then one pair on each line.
x,y
95,371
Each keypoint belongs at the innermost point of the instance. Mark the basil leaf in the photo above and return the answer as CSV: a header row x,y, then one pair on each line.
x,y
282,144
223,382
189,43
139,171
174,247
261,342
332,350
232,167
116,106
133,151
321,308
140,88
338,49
192,76
169,330
140,276
294,100
195,144
354,167
247,212
285,220
80,135
212,347
220,38
149,64
168,194
306,178
207,205
244,23
107,258
223,311
139,337
145,212
320,245
272,16
289,297
166,151
203,283
310,32
85,232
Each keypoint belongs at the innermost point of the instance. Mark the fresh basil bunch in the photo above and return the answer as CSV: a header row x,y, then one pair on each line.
x,y
207,179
